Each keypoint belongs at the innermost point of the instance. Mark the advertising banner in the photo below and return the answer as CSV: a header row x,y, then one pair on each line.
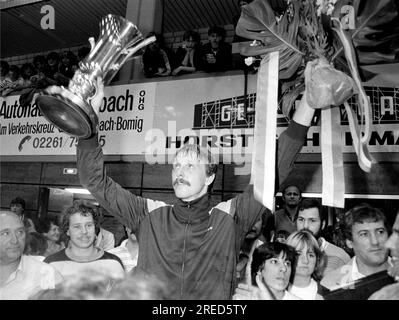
x,y
155,118
125,116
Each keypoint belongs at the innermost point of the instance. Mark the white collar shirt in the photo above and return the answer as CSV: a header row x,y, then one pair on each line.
x,y
30,277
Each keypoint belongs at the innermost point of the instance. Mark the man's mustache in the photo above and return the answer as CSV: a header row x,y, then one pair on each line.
x,y
180,180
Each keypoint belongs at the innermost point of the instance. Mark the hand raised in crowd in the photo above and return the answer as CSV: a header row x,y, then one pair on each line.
x,y
249,292
244,292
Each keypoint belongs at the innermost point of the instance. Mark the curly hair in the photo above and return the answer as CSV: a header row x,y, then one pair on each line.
x,y
81,208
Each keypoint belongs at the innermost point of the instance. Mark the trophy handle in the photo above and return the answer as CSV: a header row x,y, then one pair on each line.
x,y
92,43
130,51
125,55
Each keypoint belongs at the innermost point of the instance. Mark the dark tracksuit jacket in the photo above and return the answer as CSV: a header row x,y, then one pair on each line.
x,y
192,246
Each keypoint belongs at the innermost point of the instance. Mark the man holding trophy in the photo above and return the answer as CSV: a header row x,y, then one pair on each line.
x,y
191,245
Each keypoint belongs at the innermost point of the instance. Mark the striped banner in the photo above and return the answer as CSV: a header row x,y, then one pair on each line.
x,y
332,159
264,151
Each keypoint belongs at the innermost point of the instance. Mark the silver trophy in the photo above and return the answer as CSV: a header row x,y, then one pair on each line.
x,y
69,108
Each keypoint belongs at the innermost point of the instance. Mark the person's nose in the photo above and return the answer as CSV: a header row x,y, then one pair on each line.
x,y
306,224
14,238
182,172
283,267
178,173
374,240
304,258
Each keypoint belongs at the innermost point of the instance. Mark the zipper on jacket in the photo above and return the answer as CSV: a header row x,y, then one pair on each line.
x,y
184,259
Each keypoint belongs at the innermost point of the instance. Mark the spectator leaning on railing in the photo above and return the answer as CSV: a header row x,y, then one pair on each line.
x,y
216,54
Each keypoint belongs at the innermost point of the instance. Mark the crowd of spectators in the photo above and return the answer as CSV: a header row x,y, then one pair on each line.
x,y
280,265
215,55
43,71
235,250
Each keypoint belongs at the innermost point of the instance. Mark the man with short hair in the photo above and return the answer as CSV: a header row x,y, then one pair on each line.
x,y
191,245
17,205
312,217
216,53
285,217
21,276
391,292
79,223
366,232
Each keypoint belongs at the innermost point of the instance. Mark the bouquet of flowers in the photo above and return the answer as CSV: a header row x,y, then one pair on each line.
x,y
316,33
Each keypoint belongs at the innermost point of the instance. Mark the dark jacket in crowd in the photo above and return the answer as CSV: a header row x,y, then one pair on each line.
x,y
197,58
223,57
192,246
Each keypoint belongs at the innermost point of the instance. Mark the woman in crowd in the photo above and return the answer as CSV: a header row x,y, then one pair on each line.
x,y
49,228
188,56
309,266
270,274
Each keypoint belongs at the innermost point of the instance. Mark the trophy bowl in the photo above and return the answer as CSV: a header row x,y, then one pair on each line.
x,y
69,109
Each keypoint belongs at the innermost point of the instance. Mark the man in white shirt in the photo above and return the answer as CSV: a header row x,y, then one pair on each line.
x,y
366,232
20,276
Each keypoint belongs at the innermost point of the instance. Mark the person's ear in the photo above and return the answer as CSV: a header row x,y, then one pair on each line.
x,y
210,179
349,243
323,224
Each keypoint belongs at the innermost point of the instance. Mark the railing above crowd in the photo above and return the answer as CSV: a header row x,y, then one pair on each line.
x,y
172,54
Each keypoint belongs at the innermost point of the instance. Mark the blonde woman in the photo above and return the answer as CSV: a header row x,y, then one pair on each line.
x,y
309,266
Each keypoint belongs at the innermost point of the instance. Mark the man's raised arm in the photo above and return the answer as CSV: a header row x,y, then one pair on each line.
x,y
127,207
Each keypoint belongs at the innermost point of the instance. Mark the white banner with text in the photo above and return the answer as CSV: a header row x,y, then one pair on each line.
x,y
155,118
